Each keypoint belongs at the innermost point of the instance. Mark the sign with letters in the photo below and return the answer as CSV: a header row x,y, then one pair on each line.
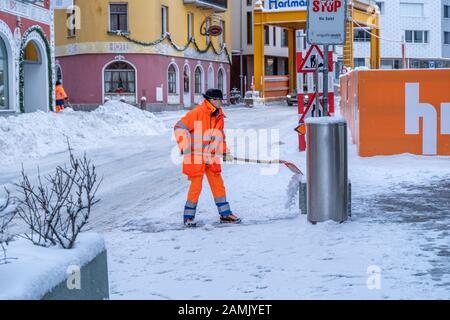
x,y
326,22
285,5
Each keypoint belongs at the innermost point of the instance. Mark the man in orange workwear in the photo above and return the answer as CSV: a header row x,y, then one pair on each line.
x,y
61,96
201,139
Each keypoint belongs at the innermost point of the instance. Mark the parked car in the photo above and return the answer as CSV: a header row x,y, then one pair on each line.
x,y
292,98
252,99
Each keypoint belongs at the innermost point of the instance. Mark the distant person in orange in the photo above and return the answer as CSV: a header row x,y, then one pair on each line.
x,y
61,96
201,139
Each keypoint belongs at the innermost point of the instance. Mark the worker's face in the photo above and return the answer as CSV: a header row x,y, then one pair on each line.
x,y
217,103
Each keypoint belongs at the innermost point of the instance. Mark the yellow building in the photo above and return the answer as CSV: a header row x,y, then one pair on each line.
x,y
154,50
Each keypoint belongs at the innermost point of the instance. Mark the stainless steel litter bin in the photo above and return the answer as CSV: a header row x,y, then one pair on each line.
x,y
327,168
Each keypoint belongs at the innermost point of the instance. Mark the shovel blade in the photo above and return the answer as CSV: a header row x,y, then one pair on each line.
x,y
292,167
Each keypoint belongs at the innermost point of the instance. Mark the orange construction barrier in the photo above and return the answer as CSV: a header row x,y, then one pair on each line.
x,y
398,111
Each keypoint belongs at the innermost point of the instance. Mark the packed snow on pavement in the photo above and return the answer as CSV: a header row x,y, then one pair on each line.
x,y
394,246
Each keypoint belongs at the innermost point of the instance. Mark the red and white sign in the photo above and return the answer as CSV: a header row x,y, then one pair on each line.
x,y
308,60
313,59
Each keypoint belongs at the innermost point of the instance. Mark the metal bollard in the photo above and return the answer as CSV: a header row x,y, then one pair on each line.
x,y
327,165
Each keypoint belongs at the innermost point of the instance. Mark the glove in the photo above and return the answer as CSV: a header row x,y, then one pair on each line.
x,y
228,157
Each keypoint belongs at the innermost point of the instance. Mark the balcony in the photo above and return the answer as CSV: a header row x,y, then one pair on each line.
x,y
216,5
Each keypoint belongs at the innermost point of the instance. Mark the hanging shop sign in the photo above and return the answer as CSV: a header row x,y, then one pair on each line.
x,y
327,22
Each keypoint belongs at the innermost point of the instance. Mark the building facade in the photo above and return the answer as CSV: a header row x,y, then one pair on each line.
x,y
155,51
276,49
423,25
26,56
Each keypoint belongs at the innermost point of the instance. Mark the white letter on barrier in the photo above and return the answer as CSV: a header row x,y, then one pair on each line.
x,y
445,118
416,110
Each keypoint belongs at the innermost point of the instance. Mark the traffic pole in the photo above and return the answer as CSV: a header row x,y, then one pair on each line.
x,y
325,80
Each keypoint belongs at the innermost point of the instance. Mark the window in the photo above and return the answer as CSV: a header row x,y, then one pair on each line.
x,y
362,35
120,78
360,62
32,53
4,88
416,36
186,80
284,38
220,81
249,3
249,27
391,64
58,73
172,79
210,77
208,24
198,79
190,25
118,17
164,20
222,36
266,36
274,36
446,37
284,66
412,9
71,18
380,5
446,11
271,66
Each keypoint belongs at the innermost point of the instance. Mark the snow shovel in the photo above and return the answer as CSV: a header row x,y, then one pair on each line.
x,y
288,164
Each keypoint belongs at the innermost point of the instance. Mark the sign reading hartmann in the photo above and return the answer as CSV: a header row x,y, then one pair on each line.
x,y
326,22
284,5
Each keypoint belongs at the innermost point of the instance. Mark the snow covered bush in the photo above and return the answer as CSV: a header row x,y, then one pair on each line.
x,y
58,208
6,216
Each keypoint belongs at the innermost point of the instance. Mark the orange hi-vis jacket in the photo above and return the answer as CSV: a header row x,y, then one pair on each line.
x,y
201,139
60,93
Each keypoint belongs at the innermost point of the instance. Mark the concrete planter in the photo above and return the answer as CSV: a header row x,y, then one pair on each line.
x,y
54,273
94,283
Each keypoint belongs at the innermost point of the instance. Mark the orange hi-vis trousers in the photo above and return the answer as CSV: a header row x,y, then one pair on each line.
x,y
218,190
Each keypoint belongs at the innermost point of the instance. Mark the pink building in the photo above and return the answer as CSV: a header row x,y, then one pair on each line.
x,y
166,82
155,52
26,56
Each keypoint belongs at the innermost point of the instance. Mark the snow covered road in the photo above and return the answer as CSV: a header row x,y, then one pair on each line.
x,y
399,228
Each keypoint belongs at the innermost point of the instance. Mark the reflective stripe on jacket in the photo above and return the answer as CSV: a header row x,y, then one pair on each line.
x,y
200,136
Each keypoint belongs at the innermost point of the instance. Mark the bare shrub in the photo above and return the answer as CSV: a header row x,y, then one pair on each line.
x,y
58,207
7,214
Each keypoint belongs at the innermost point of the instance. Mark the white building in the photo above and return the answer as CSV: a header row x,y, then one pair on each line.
x,y
424,25
276,46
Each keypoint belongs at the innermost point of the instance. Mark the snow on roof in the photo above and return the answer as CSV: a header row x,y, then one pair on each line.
x,y
37,134
38,270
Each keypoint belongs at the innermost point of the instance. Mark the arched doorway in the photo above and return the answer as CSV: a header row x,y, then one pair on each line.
x,y
187,86
198,84
120,81
173,88
36,83
4,76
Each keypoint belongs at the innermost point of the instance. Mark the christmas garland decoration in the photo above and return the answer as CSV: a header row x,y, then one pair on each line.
x,y
41,33
175,46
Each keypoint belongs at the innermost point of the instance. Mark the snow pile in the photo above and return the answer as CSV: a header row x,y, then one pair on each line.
x,y
292,191
37,270
38,134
